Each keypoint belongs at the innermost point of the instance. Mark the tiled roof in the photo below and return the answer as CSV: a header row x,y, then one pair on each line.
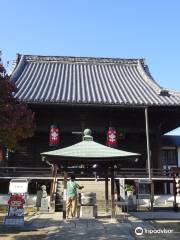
x,y
89,149
171,140
75,80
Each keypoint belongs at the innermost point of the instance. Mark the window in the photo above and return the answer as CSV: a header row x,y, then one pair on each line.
x,y
169,157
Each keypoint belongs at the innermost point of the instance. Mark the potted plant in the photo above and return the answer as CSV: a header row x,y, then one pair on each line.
x,y
129,189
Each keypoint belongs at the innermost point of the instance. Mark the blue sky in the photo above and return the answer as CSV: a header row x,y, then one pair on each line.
x,y
147,29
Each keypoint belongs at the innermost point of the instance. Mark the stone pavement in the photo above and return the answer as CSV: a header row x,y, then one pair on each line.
x,y
166,215
48,226
79,229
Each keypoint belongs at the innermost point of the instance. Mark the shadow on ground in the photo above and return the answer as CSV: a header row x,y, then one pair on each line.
x,y
50,226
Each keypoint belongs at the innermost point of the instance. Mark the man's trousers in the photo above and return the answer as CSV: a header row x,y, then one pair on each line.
x,y
71,206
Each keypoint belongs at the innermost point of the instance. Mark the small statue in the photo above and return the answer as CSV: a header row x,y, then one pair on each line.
x,y
44,200
44,192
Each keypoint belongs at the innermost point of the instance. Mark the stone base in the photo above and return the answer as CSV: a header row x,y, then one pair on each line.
x,y
60,214
88,212
44,210
44,205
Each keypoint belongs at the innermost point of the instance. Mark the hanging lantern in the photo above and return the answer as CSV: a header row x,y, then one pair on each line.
x,y
54,136
111,137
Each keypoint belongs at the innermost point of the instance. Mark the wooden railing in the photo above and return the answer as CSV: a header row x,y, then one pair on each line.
x,y
10,172
32,172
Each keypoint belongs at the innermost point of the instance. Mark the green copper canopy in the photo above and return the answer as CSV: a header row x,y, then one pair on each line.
x,y
89,149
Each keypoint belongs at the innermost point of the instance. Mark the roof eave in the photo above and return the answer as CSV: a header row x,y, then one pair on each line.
x,y
125,105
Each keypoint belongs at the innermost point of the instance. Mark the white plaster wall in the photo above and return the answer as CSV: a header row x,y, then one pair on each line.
x,y
31,199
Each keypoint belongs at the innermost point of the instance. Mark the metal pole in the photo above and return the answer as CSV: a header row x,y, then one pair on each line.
x,y
149,160
147,141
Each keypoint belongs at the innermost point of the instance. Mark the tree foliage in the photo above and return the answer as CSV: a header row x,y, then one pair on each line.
x,y
16,120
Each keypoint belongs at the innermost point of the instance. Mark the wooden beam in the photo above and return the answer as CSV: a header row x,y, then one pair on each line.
x,y
64,193
112,193
106,192
53,181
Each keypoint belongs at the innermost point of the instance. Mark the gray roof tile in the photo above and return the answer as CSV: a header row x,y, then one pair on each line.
x,y
74,80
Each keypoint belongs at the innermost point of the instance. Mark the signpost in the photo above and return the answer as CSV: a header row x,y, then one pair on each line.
x,y
143,190
17,189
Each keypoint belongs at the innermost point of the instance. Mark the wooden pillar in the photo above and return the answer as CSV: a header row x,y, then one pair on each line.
x,y
174,193
64,193
51,183
112,193
106,192
159,149
152,195
54,168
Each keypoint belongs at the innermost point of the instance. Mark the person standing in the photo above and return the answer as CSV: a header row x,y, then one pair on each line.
x,y
71,204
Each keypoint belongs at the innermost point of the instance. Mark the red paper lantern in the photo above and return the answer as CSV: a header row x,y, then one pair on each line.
x,y
54,136
111,137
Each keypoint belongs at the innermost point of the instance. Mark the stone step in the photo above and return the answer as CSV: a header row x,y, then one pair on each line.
x,y
93,186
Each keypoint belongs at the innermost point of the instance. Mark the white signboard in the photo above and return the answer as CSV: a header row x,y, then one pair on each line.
x,y
18,186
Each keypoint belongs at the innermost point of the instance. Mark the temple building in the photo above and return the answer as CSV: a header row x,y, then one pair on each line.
x,y
74,93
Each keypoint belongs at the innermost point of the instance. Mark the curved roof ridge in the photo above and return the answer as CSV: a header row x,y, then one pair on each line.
x,y
14,64
144,71
73,59
19,66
